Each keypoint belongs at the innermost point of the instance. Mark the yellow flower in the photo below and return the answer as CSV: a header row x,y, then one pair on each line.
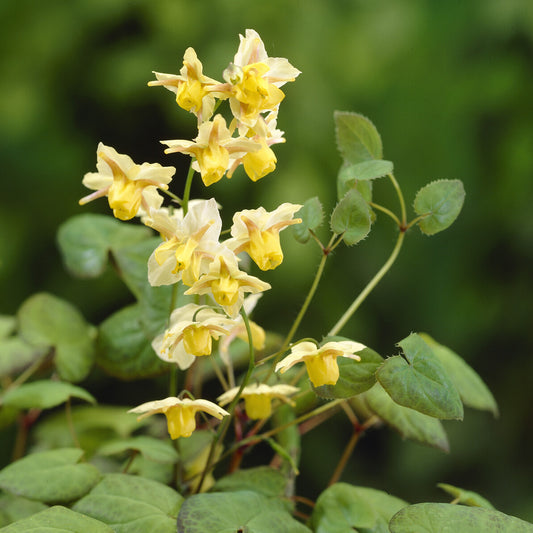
x,y
189,243
191,87
226,283
180,413
258,398
190,333
321,362
128,186
256,231
212,148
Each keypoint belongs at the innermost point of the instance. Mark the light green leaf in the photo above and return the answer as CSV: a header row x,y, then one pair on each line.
x,y
44,394
225,512
362,186
351,218
57,520
355,376
17,354
343,507
410,424
132,504
13,508
7,325
86,240
160,451
311,214
466,497
441,201
473,392
366,170
47,321
420,381
125,349
357,138
50,477
445,517
261,479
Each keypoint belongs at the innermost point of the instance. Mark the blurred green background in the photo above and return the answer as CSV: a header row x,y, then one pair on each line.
x,y
448,84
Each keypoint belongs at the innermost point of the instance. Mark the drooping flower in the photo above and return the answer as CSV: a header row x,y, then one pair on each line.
x,y
321,362
180,414
253,80
226,283
189,243
128,186
256,231
258,398
212,149
190,334
190,86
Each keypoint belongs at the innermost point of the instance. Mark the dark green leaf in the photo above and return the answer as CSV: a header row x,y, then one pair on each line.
x,y
420,381
51,477
473,392
357,138
86,240
445,517
47,321
160,451
355,376
466,497
441,201
351,218
262,479
57,520
44,394
311,214
410,424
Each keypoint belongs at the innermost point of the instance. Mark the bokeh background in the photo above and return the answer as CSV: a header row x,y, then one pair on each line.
x,y
448,84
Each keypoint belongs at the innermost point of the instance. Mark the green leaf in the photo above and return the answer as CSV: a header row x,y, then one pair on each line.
x,y
445,517
342,508
86,240
366,170
362,186
466,497
261,479
160,451
50,477
225,512
7,325
47,321
357,138
441,201
44,394
132,504
355,376
420,381
57,520
473,392
311,214
125,349
13,508
351,218
410,424
17,354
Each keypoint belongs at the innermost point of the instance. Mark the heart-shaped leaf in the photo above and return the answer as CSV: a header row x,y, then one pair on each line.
x,y
357,138
351,217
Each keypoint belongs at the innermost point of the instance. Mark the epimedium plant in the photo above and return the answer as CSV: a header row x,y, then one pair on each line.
x,y
231,385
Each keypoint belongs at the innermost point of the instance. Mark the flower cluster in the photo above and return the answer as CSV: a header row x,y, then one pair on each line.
x,y
219,294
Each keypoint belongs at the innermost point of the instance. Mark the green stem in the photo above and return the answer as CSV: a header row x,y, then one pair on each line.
x,y
224,425
70,423
402,201
187,190
387,212
368,289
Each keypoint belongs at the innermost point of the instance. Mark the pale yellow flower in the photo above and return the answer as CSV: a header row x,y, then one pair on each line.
x,y
190,86
128,186
190,333
256,231
321,362
226,283
212,149
180,413
189,243
258,398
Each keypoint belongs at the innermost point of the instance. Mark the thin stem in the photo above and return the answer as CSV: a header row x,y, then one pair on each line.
x,y
416,220
172,195
187,190
402,201
387,212
28,372
219,374
70,423
368,289
346,454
